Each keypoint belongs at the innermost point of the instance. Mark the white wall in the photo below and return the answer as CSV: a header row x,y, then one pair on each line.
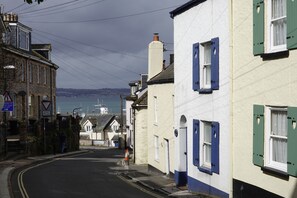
x,y
202,23
141,143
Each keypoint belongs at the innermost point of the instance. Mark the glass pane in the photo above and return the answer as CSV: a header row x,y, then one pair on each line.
x,y
278,8
207,132
208,74
279,125
279,150
207,151
207,54
279,32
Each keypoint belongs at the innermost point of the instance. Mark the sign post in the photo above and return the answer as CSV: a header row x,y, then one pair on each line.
x,y
46,108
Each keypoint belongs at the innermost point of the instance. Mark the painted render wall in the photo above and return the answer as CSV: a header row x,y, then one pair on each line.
x,y
141,136
129,125
164,127
270,82
201,23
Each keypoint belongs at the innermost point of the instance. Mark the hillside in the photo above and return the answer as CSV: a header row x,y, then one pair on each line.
x,y
90,92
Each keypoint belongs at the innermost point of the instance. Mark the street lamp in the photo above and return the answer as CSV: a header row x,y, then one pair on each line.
x,y
7,67
75,110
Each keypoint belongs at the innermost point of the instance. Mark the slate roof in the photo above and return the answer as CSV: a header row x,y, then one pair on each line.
x,y
141,101
165,76
101,121
185,7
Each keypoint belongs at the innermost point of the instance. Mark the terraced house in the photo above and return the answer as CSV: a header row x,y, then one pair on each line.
x,y
28,77
202,99
265,106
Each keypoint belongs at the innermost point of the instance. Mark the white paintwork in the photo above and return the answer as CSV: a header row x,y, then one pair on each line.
x,y
141,143
201,23
257,82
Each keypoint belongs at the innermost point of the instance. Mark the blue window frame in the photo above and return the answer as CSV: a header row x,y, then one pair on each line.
x,y
206,66
206,146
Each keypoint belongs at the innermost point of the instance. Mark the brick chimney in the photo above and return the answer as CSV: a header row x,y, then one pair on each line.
x,y
155,56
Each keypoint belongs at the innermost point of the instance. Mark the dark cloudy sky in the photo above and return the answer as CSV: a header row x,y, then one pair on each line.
x,y
98,43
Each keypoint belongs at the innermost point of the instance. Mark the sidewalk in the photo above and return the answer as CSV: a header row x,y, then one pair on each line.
x,y
14,162
156,182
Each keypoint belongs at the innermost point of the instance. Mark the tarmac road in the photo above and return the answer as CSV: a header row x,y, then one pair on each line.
x,y
94,174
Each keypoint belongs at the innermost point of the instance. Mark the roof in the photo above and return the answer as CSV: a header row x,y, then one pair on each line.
x,y
185,7
100,121
41,46
141,101
165,76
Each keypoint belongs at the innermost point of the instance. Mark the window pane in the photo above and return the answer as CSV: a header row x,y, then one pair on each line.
x,y
278,8
279,150
279,32
208,74
207,53
207,150
279,125
207,132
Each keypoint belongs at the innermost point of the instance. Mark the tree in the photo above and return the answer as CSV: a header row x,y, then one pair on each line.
x,y
30,1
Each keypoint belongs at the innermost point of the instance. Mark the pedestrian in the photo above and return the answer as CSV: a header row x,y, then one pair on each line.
x,y
126,156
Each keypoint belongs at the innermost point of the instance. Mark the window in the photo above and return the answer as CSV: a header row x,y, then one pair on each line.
x,y
206,66
206,146
275,138
30,101
280,33
38,74
31,73
23,72
156,109
23,39
44,76
156,140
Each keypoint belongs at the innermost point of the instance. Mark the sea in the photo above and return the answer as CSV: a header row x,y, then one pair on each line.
x,y
89,104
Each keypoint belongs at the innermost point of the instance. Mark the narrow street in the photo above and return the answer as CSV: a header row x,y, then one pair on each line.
x,y
94,174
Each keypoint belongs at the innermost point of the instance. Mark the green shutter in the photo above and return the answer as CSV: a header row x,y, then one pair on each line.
x,y
292,141
258,135
258,27
291,24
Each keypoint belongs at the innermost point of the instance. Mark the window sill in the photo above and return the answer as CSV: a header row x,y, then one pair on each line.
x,y
274,172
205,170
275,55
205,91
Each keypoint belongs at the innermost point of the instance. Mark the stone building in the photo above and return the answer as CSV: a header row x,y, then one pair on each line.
x,y
28,81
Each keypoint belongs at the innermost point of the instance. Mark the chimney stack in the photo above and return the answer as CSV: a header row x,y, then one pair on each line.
x,y
155,56
156,37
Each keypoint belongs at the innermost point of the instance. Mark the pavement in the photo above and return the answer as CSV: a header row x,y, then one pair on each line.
x,y
139,175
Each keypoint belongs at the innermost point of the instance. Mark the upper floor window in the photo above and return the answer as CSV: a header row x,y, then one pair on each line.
x,y
23,39
38,73
274,26
206,66
31,73
155,109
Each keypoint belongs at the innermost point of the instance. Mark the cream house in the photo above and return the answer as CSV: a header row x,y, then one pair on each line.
x,y
264,98
160,120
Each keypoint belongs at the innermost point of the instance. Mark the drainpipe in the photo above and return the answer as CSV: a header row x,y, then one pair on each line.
x,y
133,135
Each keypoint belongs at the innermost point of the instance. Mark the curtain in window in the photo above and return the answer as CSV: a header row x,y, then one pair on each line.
x,y
278,20
207,142
279,136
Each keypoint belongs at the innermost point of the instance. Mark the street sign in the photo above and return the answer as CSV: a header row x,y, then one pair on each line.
x,y
7,97
8,106
46,108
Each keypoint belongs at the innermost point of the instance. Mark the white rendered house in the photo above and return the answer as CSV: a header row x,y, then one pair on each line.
x,y
202,97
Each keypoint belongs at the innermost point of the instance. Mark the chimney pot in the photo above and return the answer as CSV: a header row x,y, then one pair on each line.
x,y
156,37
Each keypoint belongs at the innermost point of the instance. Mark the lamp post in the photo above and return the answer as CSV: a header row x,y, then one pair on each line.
x,y
75,110
7,67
